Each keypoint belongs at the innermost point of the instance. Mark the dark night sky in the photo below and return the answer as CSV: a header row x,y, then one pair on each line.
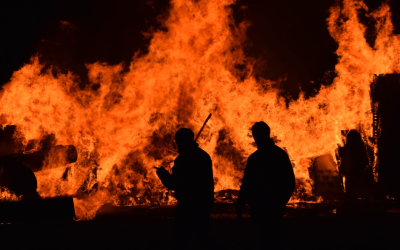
x,y
290,37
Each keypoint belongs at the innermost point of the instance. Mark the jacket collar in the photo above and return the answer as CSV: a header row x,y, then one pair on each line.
x,y
189,148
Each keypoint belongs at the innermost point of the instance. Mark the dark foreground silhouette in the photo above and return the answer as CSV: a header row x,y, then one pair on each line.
x,y
267,184
192,181
18,178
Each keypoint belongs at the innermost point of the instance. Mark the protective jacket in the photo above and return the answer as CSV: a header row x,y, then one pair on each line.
x,y
268,181
191,178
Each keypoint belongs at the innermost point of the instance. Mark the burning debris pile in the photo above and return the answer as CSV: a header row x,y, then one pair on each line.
x,y
123,123
18,163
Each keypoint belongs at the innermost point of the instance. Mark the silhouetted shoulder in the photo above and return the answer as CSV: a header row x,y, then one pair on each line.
x,y
203,154
280,151
272,151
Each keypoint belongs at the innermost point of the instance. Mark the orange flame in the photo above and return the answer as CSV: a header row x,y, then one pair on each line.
x,y
7,196
123,124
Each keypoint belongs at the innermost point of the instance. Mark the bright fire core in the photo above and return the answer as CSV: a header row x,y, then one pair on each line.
x,y
126,126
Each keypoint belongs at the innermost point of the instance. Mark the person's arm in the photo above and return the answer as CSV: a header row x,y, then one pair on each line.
x,y
165,177
288,180
210,178
243,192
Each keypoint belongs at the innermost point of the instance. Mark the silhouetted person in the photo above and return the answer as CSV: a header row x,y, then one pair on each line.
x,y
355,167
267,184
18,178
192,181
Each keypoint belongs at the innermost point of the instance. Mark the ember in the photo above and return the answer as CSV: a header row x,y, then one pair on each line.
x,y
122,124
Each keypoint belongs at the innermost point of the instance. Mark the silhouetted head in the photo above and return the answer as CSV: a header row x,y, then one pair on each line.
x,y
184,138
261,133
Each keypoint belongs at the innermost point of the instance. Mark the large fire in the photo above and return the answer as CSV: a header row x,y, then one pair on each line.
x,y
123,124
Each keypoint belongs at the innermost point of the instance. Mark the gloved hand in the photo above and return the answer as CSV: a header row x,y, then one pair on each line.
x,y
165,177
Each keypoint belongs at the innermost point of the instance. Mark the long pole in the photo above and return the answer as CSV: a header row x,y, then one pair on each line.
x,y
201,130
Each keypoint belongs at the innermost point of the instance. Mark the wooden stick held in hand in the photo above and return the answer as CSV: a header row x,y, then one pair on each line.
x,y
197,137
201,130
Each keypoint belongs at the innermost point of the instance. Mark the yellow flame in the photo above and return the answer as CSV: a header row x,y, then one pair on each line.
x,y
125,127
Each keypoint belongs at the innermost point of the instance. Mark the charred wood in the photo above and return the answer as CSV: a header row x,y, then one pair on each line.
x,y
90,183
327,181
54,157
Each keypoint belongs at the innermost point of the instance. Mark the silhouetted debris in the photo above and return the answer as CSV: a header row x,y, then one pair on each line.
x,y
18,178
17,174
226,196
327,181
52,157
17,163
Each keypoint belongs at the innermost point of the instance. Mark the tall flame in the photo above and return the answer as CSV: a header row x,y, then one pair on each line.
x,y
123,124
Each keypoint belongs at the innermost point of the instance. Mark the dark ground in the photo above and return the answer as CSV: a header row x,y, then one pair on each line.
x,y
317,227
